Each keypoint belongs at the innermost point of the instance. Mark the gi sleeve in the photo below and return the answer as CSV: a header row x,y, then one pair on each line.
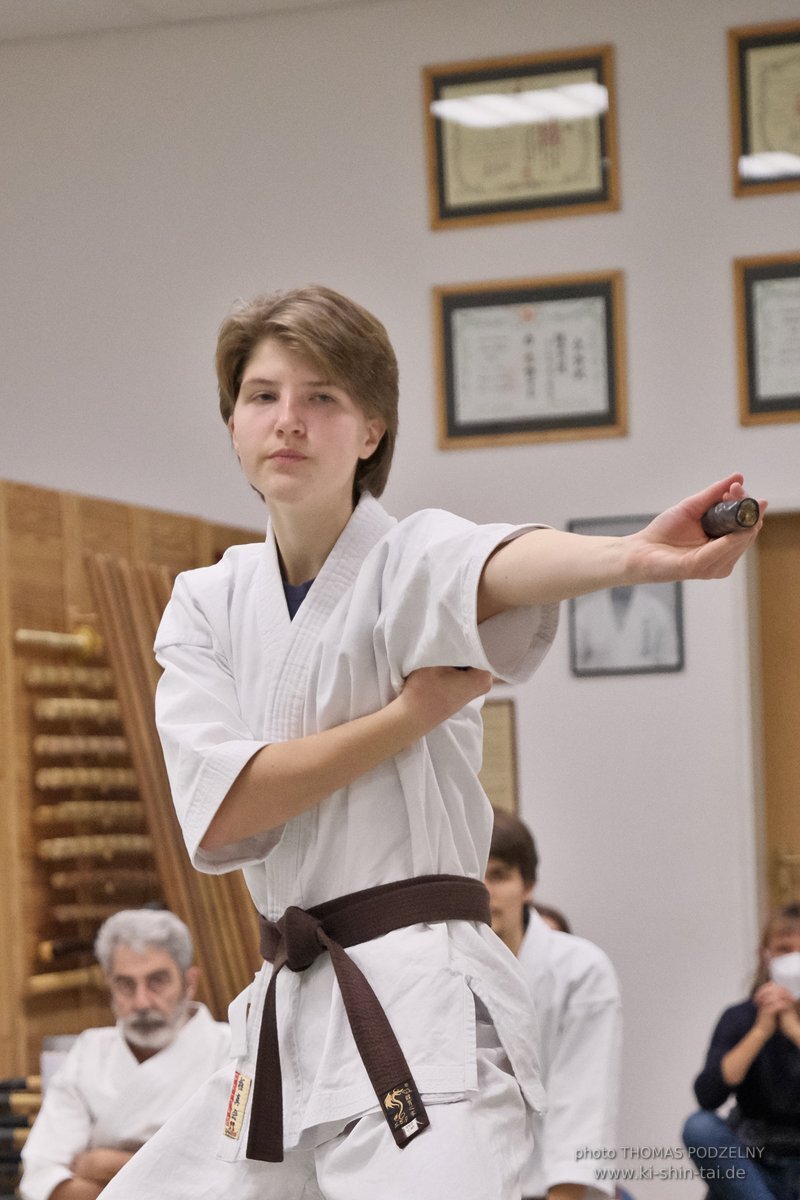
x,y
710,1088
429,610
205,739
583,1079
62,1129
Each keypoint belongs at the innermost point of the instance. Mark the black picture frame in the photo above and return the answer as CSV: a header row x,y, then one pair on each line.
x,y
763,61
625,631
556,166
530,360
767,294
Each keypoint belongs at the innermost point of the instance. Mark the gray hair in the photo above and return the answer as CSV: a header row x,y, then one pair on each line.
x,y
142,928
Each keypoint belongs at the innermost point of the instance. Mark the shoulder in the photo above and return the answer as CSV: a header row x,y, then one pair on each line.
x,y
202,598
575,962
738,1016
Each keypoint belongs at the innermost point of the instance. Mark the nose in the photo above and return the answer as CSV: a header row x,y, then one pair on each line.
x,y
288,414
142,997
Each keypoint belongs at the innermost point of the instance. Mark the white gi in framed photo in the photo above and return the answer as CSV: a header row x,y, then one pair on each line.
x,y
625,630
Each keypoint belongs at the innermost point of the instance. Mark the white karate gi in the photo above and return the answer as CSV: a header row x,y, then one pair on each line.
x,y
642,634
238,674
577,1000
102,1096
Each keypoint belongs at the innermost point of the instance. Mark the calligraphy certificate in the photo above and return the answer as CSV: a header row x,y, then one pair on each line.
x,y
521,137
764,65
524,362
768,337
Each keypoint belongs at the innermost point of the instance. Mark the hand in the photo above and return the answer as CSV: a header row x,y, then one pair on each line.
x,y
772,1002
100,1164
436,693
789,1023
673,546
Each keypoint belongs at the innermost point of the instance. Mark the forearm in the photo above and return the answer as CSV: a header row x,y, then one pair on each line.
x,y
737,1062
286,778
548,565
76,1189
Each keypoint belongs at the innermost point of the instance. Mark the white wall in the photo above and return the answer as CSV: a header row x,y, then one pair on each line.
x,y
151,177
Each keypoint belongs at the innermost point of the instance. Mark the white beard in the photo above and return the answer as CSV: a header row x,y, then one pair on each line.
x,y
149,1030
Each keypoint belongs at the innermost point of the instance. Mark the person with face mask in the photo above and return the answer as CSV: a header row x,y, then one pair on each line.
x,y
119,1084
753,1153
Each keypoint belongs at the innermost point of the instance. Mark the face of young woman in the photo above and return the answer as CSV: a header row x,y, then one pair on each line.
x,y
508,895
298,437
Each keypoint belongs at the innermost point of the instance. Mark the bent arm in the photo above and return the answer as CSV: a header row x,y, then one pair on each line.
x,y
286,778
549,565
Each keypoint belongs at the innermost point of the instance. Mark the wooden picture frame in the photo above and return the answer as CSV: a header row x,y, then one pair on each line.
x,y
551,147
767,294
530,360
764,74
498,773
635,630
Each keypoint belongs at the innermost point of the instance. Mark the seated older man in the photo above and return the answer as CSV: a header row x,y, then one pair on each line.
x,y
119,1084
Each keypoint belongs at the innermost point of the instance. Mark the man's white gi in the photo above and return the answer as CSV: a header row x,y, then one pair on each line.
x,y
238,674
642,634
577,1000
102,1096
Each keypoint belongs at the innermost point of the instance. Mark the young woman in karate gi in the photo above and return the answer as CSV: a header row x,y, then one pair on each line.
x,y
332,747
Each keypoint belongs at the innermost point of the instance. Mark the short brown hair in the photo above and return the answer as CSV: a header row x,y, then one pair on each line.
x,y
335,335
512,842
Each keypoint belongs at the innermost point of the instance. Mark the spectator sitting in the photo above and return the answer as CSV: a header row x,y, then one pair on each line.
x,y
119,1083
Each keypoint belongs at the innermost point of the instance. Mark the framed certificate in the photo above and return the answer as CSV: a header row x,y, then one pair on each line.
x,y
764,67
529,136
498,773
768,337
625,630
530,360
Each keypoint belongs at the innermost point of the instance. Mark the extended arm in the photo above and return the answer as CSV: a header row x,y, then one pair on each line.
x,y
286,778
548,565
772,1002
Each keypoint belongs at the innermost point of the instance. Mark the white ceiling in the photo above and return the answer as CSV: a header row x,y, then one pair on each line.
x,y
53,18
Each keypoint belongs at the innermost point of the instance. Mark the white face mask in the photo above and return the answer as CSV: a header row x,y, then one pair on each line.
x,y
784,969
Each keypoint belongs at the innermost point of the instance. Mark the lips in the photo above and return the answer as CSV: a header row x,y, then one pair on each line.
x,y
286,456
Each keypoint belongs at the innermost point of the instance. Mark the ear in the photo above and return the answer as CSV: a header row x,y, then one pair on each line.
x,y
528,897
191,978
376,428
232,433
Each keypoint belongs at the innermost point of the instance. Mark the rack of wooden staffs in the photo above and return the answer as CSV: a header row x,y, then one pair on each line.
x,y
89,825
104,818
20,1101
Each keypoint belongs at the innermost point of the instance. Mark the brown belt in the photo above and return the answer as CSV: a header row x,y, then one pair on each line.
x,y
299,938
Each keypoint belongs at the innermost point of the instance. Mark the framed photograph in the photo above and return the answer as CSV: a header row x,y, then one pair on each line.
x,y
767,294
625,630
528,136
764,68
498,773
530,360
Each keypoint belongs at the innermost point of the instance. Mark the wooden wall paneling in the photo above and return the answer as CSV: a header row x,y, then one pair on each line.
x,y
11,909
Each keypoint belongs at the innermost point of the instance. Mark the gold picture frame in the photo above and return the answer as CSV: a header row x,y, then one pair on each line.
x,y
498,774
764,74
767,302
521,137
530,360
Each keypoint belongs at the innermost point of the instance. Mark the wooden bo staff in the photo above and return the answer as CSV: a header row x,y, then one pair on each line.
x,y
99,746
20,1102
89,679
16,1120
99,779
65,981
99,845
107,813
129,604
48,952
64,914
13,1139
109,881
83,641
21,1083
76,708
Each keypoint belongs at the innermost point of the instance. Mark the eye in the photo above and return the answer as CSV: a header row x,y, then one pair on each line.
x,y
263,397
323,398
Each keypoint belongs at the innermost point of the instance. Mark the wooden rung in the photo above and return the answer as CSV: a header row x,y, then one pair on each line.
x,y
100,779
83,640
98,746
101,845
73,708
89,679
107,813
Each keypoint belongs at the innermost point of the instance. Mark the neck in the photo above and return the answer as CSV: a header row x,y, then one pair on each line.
x,y
306,539
514,938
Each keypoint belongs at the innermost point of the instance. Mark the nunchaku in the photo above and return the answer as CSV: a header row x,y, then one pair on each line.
x,y
730,516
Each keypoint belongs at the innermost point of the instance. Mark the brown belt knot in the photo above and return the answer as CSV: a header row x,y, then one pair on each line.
x,y
298,938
